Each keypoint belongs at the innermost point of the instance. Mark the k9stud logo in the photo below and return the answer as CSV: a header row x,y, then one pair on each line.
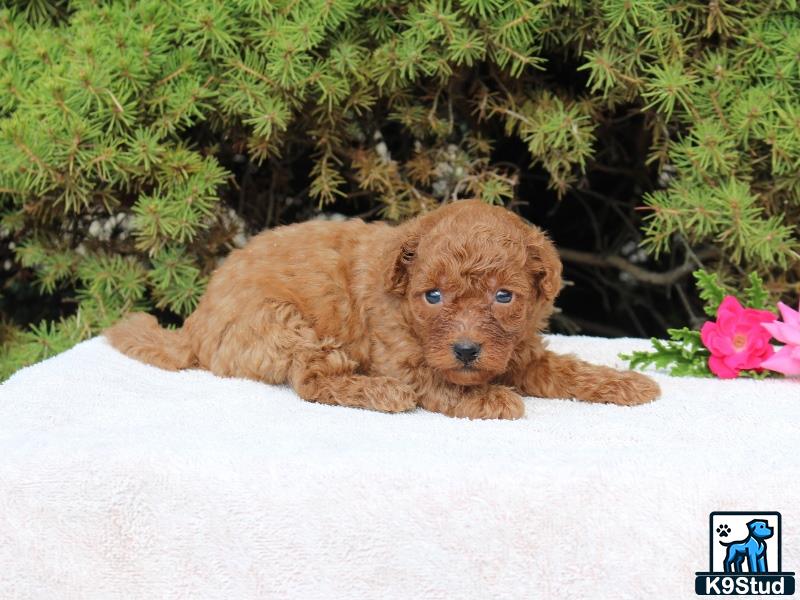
x,y
745,556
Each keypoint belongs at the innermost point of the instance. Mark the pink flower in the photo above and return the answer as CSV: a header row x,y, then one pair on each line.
x,y
737,340
787,359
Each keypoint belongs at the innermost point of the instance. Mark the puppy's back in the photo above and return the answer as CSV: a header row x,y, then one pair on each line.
x,y
311,265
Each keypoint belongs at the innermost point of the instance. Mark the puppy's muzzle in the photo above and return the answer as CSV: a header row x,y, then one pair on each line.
x,y
466,351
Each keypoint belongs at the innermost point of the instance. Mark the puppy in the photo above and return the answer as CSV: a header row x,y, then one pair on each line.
x,y
443,312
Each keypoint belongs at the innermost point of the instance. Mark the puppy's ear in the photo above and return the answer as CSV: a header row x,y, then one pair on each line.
x,y
401,257
403,251
544,265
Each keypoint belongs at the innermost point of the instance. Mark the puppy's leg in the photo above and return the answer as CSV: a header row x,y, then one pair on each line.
x,y
322,372
277,345
474,402
385,394
552,375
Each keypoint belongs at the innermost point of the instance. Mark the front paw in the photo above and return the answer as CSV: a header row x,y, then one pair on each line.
x,y
626,388
387,394
494,402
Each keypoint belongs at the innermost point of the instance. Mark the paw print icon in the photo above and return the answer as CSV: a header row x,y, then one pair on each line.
x,y
723,530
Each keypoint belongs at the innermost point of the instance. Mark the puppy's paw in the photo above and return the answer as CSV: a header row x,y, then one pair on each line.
x,y
493,402
626,388
387,394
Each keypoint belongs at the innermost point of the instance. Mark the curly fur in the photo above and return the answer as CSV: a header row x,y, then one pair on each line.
x,y
338,311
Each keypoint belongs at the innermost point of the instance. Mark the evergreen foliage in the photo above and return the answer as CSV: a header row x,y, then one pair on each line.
x,y
141,140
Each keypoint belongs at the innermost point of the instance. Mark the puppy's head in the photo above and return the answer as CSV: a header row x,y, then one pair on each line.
x,y
476,281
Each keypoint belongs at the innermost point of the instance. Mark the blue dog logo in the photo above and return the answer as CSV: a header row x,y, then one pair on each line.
x,y
753,548
744,556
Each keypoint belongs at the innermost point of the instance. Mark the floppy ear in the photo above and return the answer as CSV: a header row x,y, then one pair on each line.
x,y
544,265
403,249
402,254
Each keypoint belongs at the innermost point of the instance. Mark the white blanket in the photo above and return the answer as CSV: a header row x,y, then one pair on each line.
x,y
119,480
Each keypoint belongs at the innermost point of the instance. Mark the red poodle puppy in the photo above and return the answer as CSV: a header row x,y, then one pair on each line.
x,y
444,312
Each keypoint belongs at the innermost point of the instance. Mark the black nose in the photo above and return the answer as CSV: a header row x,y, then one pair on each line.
x,y
466,351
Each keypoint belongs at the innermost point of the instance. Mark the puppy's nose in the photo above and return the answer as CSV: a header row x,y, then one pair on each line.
x,y
466,351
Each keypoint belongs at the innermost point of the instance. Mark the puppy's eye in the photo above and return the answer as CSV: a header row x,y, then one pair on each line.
x,y
433,296
503,296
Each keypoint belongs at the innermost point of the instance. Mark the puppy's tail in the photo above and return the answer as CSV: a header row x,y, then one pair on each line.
x,y
140,336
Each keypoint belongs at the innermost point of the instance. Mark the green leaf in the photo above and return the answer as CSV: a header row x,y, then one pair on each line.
x,y
755,294
711,290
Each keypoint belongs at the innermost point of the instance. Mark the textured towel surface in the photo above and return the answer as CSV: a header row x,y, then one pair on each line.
x,y
118,480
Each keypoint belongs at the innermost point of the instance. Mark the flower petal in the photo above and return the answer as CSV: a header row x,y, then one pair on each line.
x,y
760,316
783,332
720,369
760,348
790,317
741,360
713,340
771,327
730,304
728,314
783,361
